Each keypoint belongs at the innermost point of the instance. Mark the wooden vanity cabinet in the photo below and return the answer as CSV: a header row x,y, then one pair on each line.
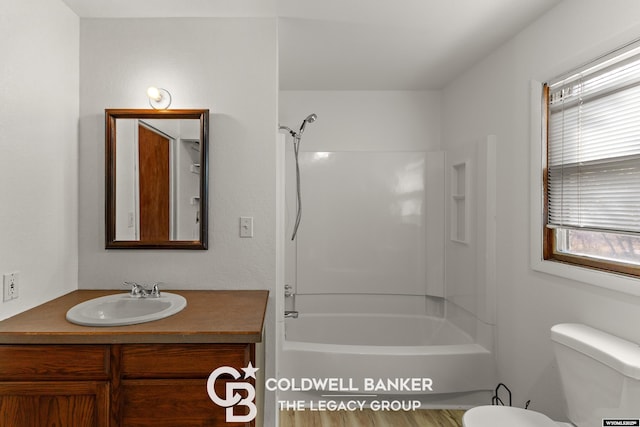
x,y
117,385
56,373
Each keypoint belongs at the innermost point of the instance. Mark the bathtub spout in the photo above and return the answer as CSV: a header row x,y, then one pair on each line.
x,y
290,314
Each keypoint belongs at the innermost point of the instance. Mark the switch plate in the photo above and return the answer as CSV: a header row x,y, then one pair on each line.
x,y
246,226
10,283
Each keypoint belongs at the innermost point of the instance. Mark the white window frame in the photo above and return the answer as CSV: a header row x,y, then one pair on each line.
x,y
602,279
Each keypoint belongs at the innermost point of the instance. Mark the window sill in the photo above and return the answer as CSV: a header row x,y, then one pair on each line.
x,y
601,279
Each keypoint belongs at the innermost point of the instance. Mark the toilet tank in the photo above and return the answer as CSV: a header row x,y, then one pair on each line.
x,y
600,374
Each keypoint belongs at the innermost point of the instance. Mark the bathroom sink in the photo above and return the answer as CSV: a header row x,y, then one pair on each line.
x,y
124,309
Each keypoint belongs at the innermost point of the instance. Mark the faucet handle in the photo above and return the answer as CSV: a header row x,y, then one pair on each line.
x,y
136,289
155,291
132,285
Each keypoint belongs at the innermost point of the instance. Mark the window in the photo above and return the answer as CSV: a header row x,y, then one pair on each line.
x,y
592,170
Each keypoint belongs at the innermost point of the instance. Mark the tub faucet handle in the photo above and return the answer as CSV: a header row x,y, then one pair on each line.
x,y
290,314
288,291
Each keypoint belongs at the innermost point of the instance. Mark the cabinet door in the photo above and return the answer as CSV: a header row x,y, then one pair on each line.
x,y
171,403
165,385
44,404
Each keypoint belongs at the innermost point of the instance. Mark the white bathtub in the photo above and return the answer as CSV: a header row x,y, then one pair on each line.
x,y
356,347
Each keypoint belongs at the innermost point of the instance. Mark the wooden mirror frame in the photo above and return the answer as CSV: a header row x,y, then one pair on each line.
x,y
111,115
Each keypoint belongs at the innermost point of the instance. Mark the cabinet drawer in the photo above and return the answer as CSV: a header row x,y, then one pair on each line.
x,y
170,403
182,360
54,362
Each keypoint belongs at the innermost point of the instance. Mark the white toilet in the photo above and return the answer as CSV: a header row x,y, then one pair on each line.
x,y
600,375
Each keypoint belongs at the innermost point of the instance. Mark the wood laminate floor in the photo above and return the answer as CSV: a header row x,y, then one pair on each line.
x,y
369,418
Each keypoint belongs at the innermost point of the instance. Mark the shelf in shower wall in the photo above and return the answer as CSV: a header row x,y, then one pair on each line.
x,y
459,204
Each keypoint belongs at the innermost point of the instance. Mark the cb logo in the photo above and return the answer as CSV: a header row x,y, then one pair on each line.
x,y
232,398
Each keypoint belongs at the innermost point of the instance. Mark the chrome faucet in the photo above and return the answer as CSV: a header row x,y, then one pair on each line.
x,y
290,314
140,291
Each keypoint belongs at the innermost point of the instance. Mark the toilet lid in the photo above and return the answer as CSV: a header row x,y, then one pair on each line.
x,y
505,416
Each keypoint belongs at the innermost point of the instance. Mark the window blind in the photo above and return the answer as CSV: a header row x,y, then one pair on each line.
x,y
593,162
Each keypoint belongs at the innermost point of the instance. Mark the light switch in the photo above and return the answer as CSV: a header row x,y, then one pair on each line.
x,y
246,226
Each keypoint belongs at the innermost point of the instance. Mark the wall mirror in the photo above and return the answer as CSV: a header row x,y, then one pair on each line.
x,y
156,183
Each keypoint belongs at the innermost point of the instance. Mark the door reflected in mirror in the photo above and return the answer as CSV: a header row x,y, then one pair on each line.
x,y
156,180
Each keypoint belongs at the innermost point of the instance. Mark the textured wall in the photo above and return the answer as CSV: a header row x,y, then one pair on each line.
x,y
38,149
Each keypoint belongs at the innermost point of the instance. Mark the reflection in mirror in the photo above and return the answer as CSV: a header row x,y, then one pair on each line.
x,y
156,184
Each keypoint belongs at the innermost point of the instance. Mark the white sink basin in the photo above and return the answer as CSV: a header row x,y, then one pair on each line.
x,y
123,309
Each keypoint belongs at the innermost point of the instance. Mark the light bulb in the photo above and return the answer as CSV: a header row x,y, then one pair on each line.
x,y
154,94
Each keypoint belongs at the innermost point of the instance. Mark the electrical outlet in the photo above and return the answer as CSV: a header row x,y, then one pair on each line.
x,y
10,285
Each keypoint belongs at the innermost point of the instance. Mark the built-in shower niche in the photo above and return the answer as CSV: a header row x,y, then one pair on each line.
x,y
459,203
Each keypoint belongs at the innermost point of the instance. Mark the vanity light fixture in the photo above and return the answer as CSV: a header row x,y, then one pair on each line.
x,y
159,98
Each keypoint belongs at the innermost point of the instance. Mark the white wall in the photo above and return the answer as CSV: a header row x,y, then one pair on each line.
x,y
364,120
493,98
470,238
228,66
38,149
364,227
126,179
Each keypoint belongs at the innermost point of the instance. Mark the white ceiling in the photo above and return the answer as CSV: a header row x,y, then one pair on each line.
x,y
359,44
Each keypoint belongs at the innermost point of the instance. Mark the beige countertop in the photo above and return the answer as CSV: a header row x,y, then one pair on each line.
x,y
209,317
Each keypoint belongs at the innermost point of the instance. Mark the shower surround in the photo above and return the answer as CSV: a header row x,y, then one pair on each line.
x,y
367,274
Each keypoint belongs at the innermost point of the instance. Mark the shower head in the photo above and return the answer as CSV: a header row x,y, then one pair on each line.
x,y
309,119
